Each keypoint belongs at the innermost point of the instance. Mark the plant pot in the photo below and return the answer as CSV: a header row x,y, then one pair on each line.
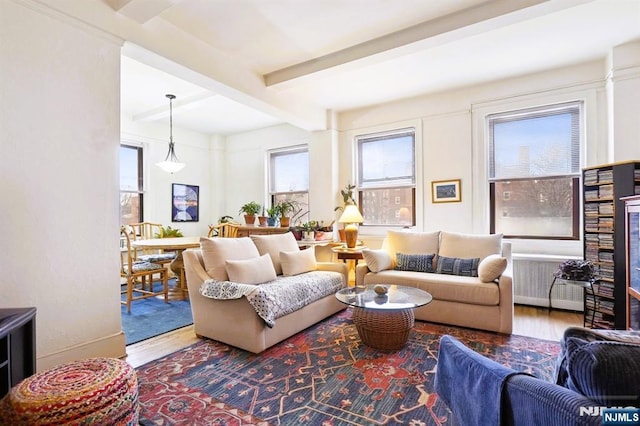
x,y
284,221
319,236
249,219
307,235
297,234
271,221
262,220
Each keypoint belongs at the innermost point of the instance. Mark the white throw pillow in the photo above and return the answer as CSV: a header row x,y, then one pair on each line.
x,y
377,260
251,271
469,246
411,243
273,244
491,267
216,250
298,262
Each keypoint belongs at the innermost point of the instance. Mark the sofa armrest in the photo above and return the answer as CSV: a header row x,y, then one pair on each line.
x,y
361,270
335,267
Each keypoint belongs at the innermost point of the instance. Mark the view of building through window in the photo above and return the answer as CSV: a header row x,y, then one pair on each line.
x,y
131,188
534,172
386,178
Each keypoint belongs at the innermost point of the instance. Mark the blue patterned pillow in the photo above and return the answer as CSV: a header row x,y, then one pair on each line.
x,y
414,262
456,266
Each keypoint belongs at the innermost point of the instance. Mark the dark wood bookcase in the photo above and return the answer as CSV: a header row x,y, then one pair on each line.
x,y
17,346
604,240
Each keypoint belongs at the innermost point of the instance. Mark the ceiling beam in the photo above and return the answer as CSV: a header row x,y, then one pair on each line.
x,y
141,10
447,28
179,105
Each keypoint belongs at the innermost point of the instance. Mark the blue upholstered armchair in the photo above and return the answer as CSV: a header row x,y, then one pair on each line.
x,y
480,391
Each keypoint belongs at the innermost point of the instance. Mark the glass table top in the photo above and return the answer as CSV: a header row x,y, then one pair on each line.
x,y
397,297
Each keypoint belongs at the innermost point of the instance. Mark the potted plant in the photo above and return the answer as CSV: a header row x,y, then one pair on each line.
x,y
285,208
272,215
262,219
250,210
169,232
308,230
347,199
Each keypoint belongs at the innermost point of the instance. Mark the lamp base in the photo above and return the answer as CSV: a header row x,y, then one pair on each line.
x,y
351,235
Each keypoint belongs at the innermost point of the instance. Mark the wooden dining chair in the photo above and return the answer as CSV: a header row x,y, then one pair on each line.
x,y
146,231
139,274
223,230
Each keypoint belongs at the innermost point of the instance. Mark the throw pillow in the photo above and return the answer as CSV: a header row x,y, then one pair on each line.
x,y
468,246
414,262
411,242
457,266
491,267
607,372
251,271
216,250
298,262
273,244
377,260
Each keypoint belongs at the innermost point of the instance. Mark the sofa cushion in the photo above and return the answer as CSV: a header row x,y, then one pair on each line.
x,y
273,244
414,262
457,266
468,246
607,372
216,250
491,267
451,288
257,270
298,261
411,243
377,260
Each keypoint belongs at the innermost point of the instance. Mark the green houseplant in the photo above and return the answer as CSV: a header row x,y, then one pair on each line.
x,y
169,232
250,210
285,208
272,215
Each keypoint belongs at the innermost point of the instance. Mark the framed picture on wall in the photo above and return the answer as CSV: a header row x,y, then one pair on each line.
x,y
184,203
445,191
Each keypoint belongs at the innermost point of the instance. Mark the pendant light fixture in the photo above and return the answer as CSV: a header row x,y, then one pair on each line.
x,y
171,164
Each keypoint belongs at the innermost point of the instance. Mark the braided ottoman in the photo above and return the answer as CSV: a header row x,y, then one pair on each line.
x,y
94,391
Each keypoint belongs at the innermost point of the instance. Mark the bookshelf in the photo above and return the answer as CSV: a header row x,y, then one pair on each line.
x,y
604,240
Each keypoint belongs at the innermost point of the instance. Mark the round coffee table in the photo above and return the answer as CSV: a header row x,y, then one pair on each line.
x,y
384,321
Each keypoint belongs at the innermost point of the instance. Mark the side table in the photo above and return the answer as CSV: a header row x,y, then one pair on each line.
x,y
349,254
587,285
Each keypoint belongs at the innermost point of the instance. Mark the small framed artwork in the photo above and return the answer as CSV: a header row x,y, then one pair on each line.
x,y
445,191
184,202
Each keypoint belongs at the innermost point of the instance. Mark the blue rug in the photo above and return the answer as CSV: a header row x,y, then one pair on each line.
x,y
152,317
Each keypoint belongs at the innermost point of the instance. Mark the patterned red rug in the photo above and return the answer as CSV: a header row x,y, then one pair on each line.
x,y
322,376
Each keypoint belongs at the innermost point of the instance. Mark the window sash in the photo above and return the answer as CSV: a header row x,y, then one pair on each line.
x,y
289,170
386,159
518,150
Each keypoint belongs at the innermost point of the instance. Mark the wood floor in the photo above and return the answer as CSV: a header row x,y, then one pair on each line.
x,y
528,321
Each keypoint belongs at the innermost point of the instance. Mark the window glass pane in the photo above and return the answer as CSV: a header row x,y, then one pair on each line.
x,y
130,208
388,206
289,171
386,160
535,207
129,173
301,200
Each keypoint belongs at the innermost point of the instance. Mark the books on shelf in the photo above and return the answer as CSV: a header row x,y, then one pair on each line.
x,y
591,177
605,191
605,208
605,175
591,195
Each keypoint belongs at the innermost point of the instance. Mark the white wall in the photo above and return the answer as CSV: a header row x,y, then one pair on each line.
x,y
192,148
59,121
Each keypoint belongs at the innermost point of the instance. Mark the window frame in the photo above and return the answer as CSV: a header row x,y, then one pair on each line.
x,y
402,182
140,190
273,195
575,176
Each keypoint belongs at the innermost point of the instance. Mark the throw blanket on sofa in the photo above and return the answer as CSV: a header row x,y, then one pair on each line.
x,y
280,297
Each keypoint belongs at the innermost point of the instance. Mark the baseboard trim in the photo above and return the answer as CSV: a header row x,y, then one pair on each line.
x,y
113,346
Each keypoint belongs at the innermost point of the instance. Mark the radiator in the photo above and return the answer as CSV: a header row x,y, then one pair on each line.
x,y
532,277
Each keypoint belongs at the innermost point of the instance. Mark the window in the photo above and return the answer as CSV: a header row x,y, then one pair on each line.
x,y
131,195
386,178
534,171
289,178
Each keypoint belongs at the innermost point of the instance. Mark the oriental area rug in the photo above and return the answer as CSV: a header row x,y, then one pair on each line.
x,y
321,376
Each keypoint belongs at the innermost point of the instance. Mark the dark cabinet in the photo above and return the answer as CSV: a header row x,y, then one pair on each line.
x,y
17,346
604,239
632,209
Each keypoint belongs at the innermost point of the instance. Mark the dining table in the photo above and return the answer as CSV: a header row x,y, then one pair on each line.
x,y
177,245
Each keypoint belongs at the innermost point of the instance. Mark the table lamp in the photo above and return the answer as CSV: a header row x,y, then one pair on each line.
x,y
350,216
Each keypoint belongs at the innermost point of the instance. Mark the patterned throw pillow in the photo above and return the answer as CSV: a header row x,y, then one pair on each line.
x,y
414,262
456,266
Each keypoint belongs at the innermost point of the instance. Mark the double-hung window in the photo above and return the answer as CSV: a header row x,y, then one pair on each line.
x,y
289,178
131,185
534,171
387,178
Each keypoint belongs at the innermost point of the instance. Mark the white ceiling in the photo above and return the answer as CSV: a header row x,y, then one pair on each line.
x,y
293,58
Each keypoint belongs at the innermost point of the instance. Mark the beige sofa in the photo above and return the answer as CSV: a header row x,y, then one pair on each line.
x,y
483,302
235,321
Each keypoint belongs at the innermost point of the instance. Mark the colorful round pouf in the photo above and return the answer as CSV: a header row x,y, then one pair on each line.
x,y
95,391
